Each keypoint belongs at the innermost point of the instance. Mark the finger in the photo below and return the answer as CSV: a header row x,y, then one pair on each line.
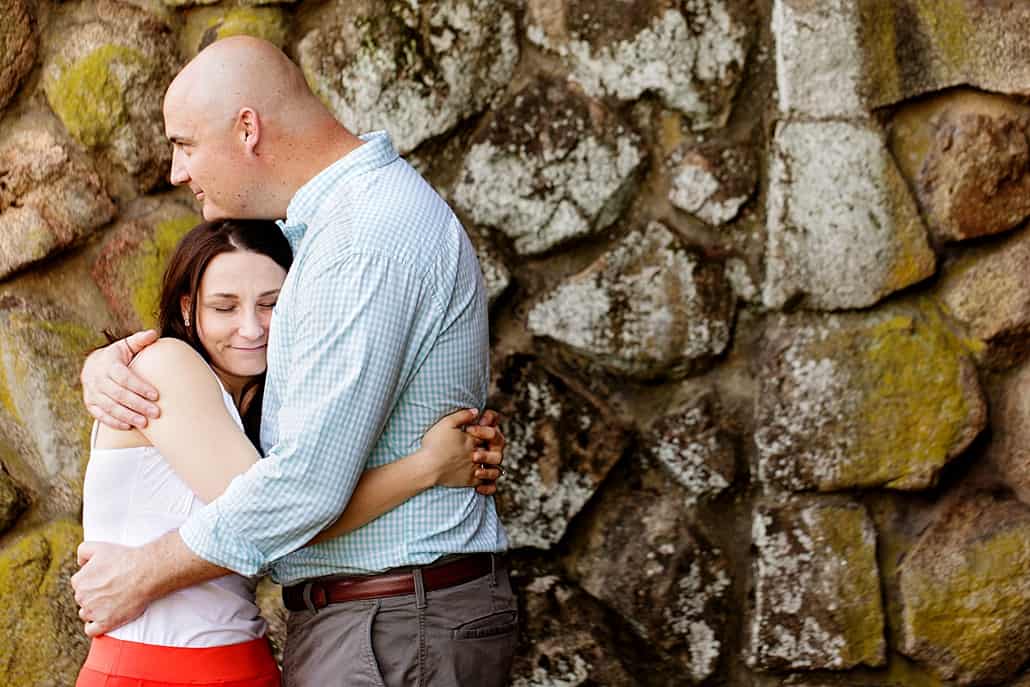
x,y
489,418
488,474
488,457
84,615
486,489
462,417
482,433
140,340
136,388
85,552
94,629
497,443
103,418
121,414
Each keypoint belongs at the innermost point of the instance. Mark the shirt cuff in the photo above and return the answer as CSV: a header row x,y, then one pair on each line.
x,y
209,539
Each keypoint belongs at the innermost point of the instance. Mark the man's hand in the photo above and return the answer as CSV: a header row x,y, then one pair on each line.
x,y
487,430
113,393
109,586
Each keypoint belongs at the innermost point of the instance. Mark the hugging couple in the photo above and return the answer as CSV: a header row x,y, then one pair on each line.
x,y
373,512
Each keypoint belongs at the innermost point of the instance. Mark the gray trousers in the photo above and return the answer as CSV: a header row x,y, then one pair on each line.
x,y
462,636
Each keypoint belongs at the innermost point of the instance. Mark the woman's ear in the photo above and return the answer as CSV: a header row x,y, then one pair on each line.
x,y
185,304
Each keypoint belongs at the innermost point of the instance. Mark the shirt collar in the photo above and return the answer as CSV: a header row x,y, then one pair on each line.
x,y
377,151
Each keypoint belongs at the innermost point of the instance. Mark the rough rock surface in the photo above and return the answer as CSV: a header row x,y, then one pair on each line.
x,y
552,165
49,199
43,643
817,587
713,181
988,291
12,501
106,82
17,45
967,154
129,268
1009,452
689,444
843,229
41,415
412,69
837,58
965,588
640,556
692,54
647,308
567,638
879,399
206,25
554,471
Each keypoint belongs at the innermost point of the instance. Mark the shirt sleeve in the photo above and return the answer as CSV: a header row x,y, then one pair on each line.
x,y
350,330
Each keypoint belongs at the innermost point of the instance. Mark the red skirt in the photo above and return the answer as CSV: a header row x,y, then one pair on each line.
x,y
116,663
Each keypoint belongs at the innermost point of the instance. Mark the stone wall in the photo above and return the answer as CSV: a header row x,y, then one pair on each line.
x,y
760,290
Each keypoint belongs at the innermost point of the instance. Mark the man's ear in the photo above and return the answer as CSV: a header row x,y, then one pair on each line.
x,y
249,128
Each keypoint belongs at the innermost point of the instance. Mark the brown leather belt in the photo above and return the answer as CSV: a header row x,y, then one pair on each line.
x,y
319,594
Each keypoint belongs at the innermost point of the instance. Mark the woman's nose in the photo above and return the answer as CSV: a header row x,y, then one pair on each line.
x,y
252,327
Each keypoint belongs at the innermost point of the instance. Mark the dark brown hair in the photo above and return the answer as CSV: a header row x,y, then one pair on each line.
x,y
182,278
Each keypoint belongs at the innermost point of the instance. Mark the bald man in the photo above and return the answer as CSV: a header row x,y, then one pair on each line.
x,y
380,329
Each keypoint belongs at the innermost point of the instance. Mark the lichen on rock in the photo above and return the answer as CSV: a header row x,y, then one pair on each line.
x,y
106,83
131,262
12,501
692,54
843,229
640,556
49,199
415,70
648,308
713,181
205,25
550,166
817,587
965,590
885,398
43,645
555,471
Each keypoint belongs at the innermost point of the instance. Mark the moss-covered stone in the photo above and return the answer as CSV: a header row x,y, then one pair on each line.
x,y
880,399
817,587
966,592
132,261
88,94
205,25
12,501
43,645
41,349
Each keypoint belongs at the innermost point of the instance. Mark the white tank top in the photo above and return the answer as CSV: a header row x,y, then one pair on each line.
x,y
132,496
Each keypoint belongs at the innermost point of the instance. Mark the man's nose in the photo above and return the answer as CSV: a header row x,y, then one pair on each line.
x,y
178,175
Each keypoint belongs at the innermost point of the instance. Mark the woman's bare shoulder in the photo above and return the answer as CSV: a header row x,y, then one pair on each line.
x,y
170,361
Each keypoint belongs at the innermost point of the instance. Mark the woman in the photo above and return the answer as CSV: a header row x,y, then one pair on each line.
x,y
216,304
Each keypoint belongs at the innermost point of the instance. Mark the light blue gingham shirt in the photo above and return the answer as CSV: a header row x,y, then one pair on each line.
x,y
380,330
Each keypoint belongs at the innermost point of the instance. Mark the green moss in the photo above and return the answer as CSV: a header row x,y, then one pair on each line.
x,y
976,608
948,25
144,272
268,23
913,408
37,612
859,611
87,94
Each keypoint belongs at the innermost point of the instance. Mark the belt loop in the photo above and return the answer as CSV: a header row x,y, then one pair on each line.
x,y
306,595
493,570
420,589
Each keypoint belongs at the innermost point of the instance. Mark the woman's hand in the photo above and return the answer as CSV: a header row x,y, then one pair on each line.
x,y
456,456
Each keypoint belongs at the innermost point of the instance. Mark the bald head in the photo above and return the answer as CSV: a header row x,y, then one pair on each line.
x,y
239,72
246,130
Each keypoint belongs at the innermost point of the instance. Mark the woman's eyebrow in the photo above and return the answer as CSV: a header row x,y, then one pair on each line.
x,y
270,293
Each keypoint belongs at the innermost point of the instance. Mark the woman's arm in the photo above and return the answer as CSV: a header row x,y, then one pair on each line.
x,y
207,449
